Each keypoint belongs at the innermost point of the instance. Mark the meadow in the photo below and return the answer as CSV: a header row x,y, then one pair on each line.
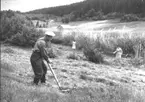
x,y
109,81
104,35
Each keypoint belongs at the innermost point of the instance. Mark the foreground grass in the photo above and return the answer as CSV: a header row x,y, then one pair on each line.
x,y
93,82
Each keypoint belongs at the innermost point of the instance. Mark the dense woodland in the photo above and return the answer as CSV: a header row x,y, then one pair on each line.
x,y
105,6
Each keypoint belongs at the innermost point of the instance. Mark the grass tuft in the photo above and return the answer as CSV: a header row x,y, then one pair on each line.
x,y
73,56
8,50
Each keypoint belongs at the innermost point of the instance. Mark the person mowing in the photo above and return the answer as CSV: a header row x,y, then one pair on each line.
x,y
38,55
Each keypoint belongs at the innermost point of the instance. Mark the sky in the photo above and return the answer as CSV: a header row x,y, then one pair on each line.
x,y
28,5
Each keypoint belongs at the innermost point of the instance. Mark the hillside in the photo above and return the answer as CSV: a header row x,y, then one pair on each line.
x,y
110,81
106,6
115,81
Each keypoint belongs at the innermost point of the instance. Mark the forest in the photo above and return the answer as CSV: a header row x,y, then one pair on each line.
x,y
106,6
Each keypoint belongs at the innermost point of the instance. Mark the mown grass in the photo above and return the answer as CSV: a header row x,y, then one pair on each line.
x,y
17,92
8,50
16,88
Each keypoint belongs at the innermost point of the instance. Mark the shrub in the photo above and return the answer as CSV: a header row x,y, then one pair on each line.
x,y
12,24
127,43
91,13
27,37
108,43
65,20
80,40
67,39
91,52
114,15
57,40
17,29
35,18
99,16
93,55
91,48
73,56
129,18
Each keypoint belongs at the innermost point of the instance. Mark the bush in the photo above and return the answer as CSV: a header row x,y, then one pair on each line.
x,y
109,44
114,15
93,55
126,45
73,56
99,16
129,18
80,40
17,29
67,40
27,37
91,52
11,24
57,40
65,20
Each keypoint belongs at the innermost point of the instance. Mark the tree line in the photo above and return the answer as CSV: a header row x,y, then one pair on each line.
x,y
106,6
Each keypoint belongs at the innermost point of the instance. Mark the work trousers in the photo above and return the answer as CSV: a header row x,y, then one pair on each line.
x,y
38,67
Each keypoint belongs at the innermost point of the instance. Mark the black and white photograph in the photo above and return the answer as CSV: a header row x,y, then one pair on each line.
x,y
72,51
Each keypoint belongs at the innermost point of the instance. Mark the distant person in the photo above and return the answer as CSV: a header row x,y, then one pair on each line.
x,y
118,52
39,54
74,46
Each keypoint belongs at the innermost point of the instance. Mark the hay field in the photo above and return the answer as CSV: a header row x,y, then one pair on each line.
x,y
115,81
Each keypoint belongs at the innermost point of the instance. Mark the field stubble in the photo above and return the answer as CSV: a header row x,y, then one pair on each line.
x,y
93,82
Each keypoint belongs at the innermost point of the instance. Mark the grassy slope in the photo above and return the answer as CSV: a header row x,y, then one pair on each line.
x,y
136,26
104,26
112,82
